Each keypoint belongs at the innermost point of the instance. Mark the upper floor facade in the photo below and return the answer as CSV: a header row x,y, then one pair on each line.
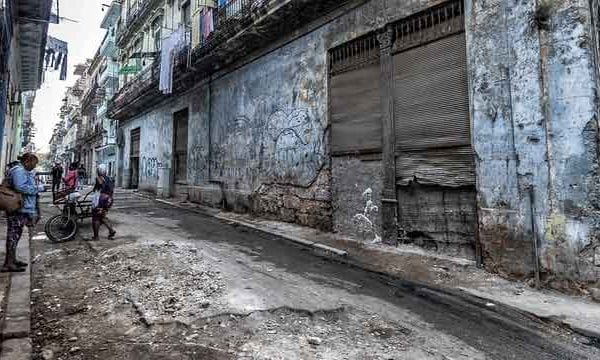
x,y
213,39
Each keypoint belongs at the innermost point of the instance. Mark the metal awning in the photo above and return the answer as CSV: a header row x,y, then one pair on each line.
x,y
33,16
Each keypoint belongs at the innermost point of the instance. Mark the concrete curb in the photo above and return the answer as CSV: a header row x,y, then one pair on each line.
x,y
342,256
16,341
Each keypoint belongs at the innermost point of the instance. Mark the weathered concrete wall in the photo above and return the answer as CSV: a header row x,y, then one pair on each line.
x,y
352,177
535,135
267,149
268,129
258,135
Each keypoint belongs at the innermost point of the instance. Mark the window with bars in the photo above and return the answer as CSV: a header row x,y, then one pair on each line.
x,y
354,54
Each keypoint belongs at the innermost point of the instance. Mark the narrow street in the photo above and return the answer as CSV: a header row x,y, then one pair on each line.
x,y
178,285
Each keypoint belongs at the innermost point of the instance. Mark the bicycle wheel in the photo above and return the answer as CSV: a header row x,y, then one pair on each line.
x,y
60,228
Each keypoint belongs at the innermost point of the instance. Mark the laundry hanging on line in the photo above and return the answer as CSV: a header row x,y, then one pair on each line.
x,y
170,46
207,23
56,56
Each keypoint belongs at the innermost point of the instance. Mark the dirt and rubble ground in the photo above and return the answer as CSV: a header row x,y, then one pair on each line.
x,y
178,285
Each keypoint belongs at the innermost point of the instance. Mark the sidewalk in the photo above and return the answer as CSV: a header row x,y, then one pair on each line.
x,y
16,302
415,264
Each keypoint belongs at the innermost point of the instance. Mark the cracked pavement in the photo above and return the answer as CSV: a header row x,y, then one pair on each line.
x,y
179,285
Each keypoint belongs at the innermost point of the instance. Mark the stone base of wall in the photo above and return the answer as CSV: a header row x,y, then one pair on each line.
x,y
507,249
304,206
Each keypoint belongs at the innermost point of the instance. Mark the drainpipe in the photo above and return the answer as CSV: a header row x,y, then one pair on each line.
x,y
535,249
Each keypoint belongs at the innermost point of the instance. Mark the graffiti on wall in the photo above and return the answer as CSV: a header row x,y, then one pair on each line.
x,y
293,145
281,145
364,220
198,162
149,168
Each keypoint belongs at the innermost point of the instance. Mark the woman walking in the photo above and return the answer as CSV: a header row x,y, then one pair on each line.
x,y
104,188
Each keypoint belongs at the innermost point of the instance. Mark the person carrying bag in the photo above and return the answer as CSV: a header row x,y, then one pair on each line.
x,y
19,180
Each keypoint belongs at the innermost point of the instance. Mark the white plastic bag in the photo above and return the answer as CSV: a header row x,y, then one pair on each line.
x,y
95,199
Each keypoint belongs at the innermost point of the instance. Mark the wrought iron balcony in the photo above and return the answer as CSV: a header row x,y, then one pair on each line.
x,y
109,74
107,47
241,27
134,19
88,99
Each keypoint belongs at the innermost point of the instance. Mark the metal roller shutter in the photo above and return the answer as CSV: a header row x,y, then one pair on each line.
x,y
435,167
135,143
355,97
356,110
431,102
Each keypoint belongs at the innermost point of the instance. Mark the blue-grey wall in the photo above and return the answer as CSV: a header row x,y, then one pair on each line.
x,y
258,135
535,134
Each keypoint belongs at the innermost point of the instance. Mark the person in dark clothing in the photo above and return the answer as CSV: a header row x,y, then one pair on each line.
x,y
104,187
57,173
81,176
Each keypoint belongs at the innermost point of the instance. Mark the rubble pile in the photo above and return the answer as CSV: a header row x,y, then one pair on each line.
x,y
162,282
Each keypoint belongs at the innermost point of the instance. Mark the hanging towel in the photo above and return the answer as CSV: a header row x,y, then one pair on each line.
x,y
58,60
63,68
170,46
58,50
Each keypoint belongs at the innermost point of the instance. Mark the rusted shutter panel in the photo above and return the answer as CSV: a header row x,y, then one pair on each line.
x,y
431,102
356,110
135,143
450,167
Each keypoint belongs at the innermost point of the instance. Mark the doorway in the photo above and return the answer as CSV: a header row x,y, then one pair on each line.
x,y
134,159
180,145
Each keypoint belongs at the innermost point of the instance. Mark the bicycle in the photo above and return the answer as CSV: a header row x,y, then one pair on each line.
x,y
64,227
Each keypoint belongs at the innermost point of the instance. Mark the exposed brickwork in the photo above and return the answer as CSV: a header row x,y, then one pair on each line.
x,y
305,206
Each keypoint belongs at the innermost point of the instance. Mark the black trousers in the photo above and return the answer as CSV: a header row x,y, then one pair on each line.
x,y
55,184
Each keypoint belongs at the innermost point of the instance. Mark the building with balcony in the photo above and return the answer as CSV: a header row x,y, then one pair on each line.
x,y
108,83
65,138
461,124
23,29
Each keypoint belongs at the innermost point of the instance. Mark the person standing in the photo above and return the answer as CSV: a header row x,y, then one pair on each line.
x,y
21,180
71,179
57,173
81,176
104,187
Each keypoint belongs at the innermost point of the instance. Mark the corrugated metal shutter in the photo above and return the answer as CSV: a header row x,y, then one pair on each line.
x,y
356,110
431,102
355,97
450,167
435,167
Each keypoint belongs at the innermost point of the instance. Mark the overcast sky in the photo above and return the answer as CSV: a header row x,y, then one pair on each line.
x,y
83,38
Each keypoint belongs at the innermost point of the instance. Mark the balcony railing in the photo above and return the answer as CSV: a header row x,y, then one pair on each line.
x,y
108,48
229,20
89,96
109,75
232,37
134,16
135,87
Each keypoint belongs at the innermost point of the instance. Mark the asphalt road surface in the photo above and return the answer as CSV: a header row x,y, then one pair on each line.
x,y
179,285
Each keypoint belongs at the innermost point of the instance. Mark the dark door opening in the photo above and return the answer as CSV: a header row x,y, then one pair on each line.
x,y
180,145
134,159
